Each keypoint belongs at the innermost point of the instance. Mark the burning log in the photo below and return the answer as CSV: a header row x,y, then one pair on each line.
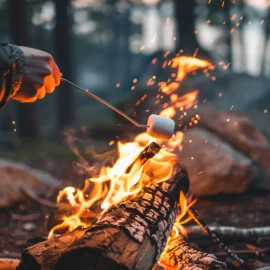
x,y
130,235
179,255
8,264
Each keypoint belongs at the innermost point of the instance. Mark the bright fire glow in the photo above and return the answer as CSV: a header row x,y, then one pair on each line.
x,y
128,175
184,205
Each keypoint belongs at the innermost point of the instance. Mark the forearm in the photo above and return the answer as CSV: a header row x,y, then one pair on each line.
x,y
11,71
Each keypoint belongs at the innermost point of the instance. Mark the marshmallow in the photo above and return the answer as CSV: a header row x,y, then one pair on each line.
x,y
160,127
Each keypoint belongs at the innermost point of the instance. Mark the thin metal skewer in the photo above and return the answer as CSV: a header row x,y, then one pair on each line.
x,y
105,103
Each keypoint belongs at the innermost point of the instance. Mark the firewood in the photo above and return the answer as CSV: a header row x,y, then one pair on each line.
x,y
8,264
130,235
179,255
237,261
45,254
227,231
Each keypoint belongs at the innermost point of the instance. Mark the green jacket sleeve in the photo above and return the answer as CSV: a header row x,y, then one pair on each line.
x,y
11,71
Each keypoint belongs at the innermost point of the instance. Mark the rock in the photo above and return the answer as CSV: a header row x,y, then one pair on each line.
x,y
29,226
214,166
13,175
240,132
256,265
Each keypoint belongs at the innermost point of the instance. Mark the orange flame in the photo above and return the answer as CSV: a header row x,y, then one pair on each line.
x,y
184,205
117,182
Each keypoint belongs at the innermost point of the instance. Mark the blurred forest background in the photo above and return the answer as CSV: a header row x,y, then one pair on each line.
x,y
103,45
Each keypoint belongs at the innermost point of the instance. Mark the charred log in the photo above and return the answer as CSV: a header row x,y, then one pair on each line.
x,y
179,255
130,235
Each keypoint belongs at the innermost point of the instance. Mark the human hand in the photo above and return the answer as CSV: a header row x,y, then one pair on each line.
x,y
41,75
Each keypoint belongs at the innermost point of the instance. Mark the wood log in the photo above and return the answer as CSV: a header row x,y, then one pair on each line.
x,y
130,235
8,264
179,255
229,232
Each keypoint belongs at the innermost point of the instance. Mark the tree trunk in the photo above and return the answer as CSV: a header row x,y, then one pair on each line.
x,y
185,17
65,95
26,113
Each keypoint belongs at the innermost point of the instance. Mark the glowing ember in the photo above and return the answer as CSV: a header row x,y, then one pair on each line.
x,y
128,175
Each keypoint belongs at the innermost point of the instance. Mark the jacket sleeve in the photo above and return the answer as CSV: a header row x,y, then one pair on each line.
x,y
11,71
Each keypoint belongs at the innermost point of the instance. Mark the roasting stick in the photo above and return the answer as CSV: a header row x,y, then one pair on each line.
x,y
157,126
105,103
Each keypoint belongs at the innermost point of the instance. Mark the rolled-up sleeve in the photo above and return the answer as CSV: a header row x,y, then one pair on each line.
x,y
11,71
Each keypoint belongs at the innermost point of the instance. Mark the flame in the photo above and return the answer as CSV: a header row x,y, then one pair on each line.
x,y
128,175
184,204
186,64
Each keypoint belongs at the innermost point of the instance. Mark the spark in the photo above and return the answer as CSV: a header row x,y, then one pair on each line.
x,y
231,107
111,143
154,61
166,54
118,85
196,52
233,17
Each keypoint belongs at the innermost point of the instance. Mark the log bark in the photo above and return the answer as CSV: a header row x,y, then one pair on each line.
x,y
179,255
130,235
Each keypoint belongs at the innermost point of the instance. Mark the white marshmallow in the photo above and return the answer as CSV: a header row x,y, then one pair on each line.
x,y
160,127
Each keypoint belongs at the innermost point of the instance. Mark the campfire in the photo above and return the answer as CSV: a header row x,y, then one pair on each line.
x,y
129,215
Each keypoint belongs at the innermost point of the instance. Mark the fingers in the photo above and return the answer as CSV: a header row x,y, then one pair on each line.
x,y
41,92
49,84
56,74
41,76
